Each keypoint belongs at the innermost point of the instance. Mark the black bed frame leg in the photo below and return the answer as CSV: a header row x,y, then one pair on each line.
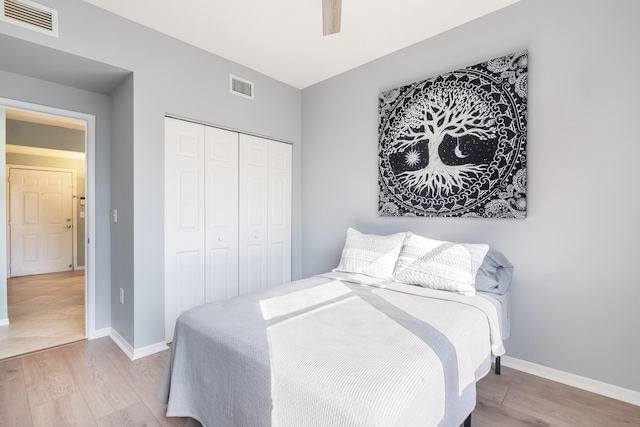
x,y
497,371
467,422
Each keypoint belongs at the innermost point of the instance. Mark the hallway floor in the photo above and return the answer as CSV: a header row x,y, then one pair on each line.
x,y
45,311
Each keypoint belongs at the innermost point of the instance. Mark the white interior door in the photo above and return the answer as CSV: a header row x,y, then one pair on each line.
x,y
41,208
221,187
184,219
254,173
279,214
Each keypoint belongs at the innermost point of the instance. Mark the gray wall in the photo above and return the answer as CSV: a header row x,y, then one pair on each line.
x,y
45,136
122,232
575,291
17,87
169,77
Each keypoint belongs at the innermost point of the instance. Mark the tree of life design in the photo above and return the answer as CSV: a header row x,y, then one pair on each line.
x,y
454,144
453,110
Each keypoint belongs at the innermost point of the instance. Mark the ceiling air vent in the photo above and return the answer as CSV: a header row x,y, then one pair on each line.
x,y
31,15
241,87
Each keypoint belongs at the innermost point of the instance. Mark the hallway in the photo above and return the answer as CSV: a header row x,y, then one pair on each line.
x,y
45,311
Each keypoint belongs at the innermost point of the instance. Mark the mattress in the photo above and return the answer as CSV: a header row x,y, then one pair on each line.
x,y
333,349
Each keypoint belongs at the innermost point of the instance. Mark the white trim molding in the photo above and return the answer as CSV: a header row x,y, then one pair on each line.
x,y
136,353
598,387
100,333
90,192
122,343
139,353
4,322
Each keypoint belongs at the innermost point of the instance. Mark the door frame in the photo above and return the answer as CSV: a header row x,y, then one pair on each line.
x,y
74,210
90,207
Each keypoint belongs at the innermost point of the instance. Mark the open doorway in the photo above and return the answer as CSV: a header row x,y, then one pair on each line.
x,y
46,233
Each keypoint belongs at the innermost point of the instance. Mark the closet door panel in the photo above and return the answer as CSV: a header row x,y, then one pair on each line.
x,y
188,287
221,147
279,213
253,216
184,219
255,268
222,274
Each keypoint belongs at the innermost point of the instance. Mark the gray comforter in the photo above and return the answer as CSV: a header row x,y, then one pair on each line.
x,y
332,350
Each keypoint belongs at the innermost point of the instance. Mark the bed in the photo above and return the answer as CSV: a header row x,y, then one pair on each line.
x,y
354,346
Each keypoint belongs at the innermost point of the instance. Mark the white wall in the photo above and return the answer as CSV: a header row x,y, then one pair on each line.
x,y
575,289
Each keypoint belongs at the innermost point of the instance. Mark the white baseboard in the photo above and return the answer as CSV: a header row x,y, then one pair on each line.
x,y
100,333
4,322
598,387
136,353
149,350
122,343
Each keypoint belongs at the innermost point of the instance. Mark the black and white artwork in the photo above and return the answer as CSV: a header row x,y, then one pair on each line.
x,y
455,145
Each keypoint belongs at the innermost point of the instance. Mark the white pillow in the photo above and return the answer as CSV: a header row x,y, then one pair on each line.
x,y
370,254
439,264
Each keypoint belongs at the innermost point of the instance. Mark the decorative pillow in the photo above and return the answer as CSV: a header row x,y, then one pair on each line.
x,y
370,254
439,264
495,273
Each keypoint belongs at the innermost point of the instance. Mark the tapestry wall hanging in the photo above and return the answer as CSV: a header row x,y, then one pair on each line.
x,y
455,145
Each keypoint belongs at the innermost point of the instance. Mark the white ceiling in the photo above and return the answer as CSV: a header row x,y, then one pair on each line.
x,y
283,38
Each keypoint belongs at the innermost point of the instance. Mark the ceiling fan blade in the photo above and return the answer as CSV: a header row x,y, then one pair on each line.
x,y
331,10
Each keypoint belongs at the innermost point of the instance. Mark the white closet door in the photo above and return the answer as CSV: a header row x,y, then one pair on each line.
x,y
227,215
221,188
279,214
254,168
184,219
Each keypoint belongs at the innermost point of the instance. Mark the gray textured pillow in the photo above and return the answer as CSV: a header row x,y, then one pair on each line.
x,y
370,254
439,264
495,273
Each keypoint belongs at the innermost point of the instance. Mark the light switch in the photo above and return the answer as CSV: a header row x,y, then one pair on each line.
x,y
115,215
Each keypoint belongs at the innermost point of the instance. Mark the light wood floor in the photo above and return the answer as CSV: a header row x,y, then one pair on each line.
x,y
45,311
517,399
93,383
89,383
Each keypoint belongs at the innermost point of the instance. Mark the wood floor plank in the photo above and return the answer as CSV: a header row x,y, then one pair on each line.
x,y
144,375
492,387
111,390
102,386
67,411
47,377
562,411
553,403
492,414
45,311
556,413
135,415
600,410
14,401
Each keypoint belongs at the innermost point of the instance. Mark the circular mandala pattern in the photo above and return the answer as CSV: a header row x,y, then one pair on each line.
x,y
454,145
